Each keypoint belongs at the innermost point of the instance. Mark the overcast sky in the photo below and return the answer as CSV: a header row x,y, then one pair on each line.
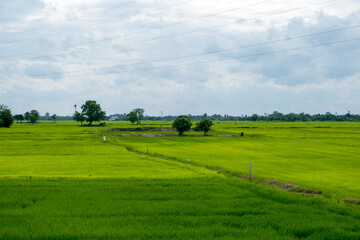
x,y
181,57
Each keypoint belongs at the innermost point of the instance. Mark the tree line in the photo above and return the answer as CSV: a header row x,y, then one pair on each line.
x,y
92,112
275,116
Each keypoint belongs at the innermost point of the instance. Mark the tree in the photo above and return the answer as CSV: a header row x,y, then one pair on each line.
x,y
204,125
6,118
47,116
132,117
92,112
135,115
254,117
78,117
33,119
182,124
139,114
34,116
54,117
27,116
19,117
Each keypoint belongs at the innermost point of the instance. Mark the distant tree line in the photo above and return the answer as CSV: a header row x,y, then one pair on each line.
x,y
31,116
302,117
92,112
275,117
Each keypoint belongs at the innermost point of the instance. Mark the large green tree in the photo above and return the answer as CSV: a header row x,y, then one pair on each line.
x,y
34,116
139,114
131,116
92,112
136,115
6,118
182,124
204,125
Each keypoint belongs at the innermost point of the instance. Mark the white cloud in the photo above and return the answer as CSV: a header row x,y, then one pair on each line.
x,y
309,80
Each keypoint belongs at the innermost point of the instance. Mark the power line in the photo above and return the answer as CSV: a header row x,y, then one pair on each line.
x,y
95,25
218,60
202,29
142,31
210,52
239,57
65,21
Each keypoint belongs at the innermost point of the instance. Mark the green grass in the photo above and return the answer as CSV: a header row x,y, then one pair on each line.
x,y
183,208
60,181
44,150
323,156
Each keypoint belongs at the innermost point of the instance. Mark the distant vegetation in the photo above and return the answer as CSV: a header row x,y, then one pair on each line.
x,y
34,116
19,117
92,112
275,116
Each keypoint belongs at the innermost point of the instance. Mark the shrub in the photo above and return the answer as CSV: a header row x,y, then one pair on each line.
x,y
6,118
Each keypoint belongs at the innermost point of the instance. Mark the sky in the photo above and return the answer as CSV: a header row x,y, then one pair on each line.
x,y
235,57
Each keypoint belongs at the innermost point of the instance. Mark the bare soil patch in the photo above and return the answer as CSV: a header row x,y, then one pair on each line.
x,y
309,191
281,185
291,187
354,201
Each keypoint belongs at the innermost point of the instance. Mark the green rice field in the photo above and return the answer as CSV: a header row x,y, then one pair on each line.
x,y
324,156
61,181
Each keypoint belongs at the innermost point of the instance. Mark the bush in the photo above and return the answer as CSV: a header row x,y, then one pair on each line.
x,y
6,118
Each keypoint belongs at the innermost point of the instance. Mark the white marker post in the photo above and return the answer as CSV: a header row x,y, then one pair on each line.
x,y
104,138
250,171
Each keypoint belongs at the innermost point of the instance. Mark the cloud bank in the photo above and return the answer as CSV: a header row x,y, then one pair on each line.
x,y
180,57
